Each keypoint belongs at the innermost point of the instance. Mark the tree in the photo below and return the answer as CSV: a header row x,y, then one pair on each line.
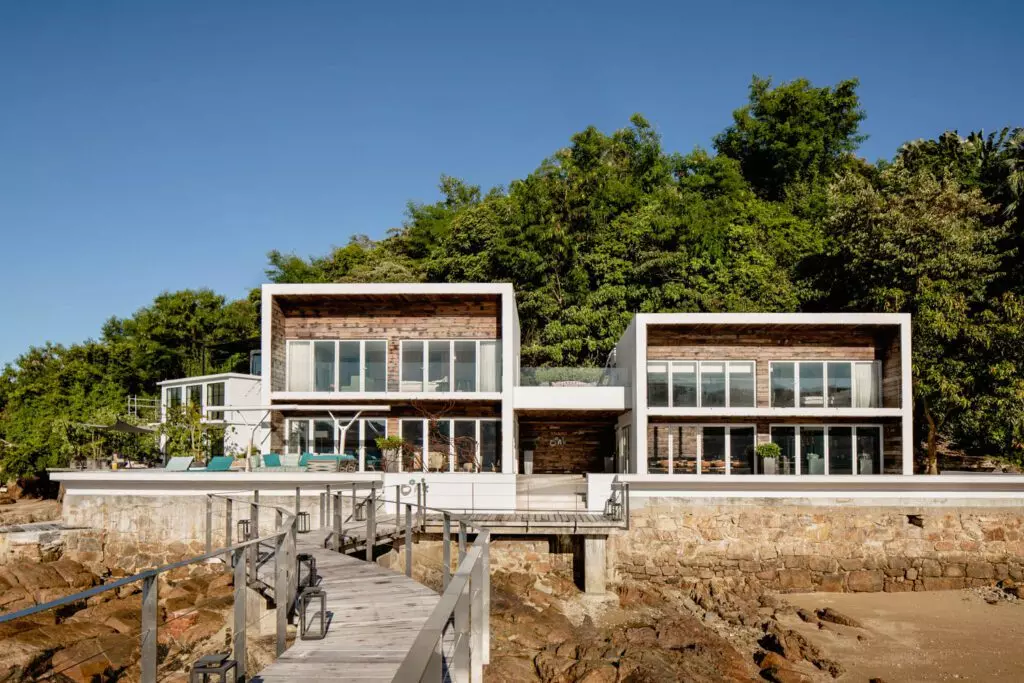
x,y
921,245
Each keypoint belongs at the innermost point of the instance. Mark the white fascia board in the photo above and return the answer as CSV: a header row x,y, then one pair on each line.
x,y
392,288
209,378
837,319
341,397
777,412
570,398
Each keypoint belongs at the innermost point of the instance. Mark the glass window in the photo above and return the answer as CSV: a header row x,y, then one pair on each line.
x,y
657,448
741,385
323,436
840,450
783,385
657,384
412,366
412,434
348,361
490,366
439,366
372,430
323,366
440,445
840,385
194,396
256,363
712,385
174,397
215,397
741,451
712,455
465,446
298,436
350,438
684,385
869,450
684,449
298,366
812,450
465,365
812,385
376,366
785,439
866,386
490,445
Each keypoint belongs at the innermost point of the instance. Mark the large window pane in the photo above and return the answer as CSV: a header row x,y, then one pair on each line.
x,y
465,446
657,385
840,385
439,369
323,436
412,434
465,365
323,366
349,365
684,385
412,366
350,438
298,366
174,397
214,398
490,445
298,436
712,385
741,385
741,450
783,385
376,366
869,450
372,430
194,396
713,450
490,366
812,385
812,450
658,453
684,449
785,439
840,450
440,445
865,382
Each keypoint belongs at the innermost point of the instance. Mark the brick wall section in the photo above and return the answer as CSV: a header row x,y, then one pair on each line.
x,y
793,547
567,447
671,343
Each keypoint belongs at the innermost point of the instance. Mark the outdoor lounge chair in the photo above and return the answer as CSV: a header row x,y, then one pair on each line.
x,y
220,463
271,460
323,463
179,464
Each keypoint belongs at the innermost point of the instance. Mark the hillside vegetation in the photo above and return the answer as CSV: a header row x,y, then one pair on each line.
x,y
779,214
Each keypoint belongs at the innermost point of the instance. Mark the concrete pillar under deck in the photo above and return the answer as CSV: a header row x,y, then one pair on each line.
x,y
595,564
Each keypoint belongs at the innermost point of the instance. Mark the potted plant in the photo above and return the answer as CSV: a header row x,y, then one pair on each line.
x,y
391,448
815,463
769,454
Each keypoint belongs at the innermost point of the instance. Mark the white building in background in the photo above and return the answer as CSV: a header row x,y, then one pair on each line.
x,y
227,390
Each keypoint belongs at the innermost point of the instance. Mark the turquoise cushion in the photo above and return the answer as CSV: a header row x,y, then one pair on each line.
x,y
271,460
221,463
304,460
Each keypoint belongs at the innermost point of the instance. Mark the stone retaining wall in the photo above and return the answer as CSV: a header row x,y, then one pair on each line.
x,y
795,546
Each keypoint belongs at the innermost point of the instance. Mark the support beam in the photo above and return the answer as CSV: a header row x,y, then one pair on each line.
x,y
595,564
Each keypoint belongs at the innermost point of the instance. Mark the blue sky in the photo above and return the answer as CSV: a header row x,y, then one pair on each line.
x,y
150,146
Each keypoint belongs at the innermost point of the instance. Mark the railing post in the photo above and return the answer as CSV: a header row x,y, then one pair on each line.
x,y
462,541
423,506
323,511
625,504
371,523
298,490
238,631
326,515
338,528
281,586
446,570
485,599
460,658
228,528
254,532
408,540
209,522
476,622
150,609
398,505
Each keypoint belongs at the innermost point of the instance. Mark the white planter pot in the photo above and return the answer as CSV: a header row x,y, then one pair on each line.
x,y
768,466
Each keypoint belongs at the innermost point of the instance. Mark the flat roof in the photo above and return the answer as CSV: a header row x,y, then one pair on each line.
x,y
209,378
395,288
839,318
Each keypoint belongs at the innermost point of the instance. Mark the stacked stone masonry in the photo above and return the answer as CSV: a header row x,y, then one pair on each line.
x,y
822,548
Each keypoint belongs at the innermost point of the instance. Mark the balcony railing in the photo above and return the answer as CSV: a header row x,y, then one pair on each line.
x,y
573,377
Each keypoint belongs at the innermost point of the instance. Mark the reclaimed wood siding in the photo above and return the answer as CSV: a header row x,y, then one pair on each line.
x,y
278,355
567,447
666,343
892,374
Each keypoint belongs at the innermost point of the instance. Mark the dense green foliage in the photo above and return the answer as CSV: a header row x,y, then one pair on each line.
x,y
782,217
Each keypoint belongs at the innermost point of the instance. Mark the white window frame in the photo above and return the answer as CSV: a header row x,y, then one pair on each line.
x,y
424,444
359,423
728,447
182,389
877,365
826,428
337,364
451,364
698,372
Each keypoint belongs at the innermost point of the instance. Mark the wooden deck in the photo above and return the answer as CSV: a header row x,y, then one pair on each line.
x,y
374,614
554,522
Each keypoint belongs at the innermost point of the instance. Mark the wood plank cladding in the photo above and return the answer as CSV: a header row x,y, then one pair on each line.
x,y
572,447
780,343
278,354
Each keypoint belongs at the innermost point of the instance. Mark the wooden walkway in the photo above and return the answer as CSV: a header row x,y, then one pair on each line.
x,y
554,522
374,614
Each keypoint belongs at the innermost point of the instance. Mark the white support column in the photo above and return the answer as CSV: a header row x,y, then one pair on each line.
x,y
509,378
639,432
906,398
